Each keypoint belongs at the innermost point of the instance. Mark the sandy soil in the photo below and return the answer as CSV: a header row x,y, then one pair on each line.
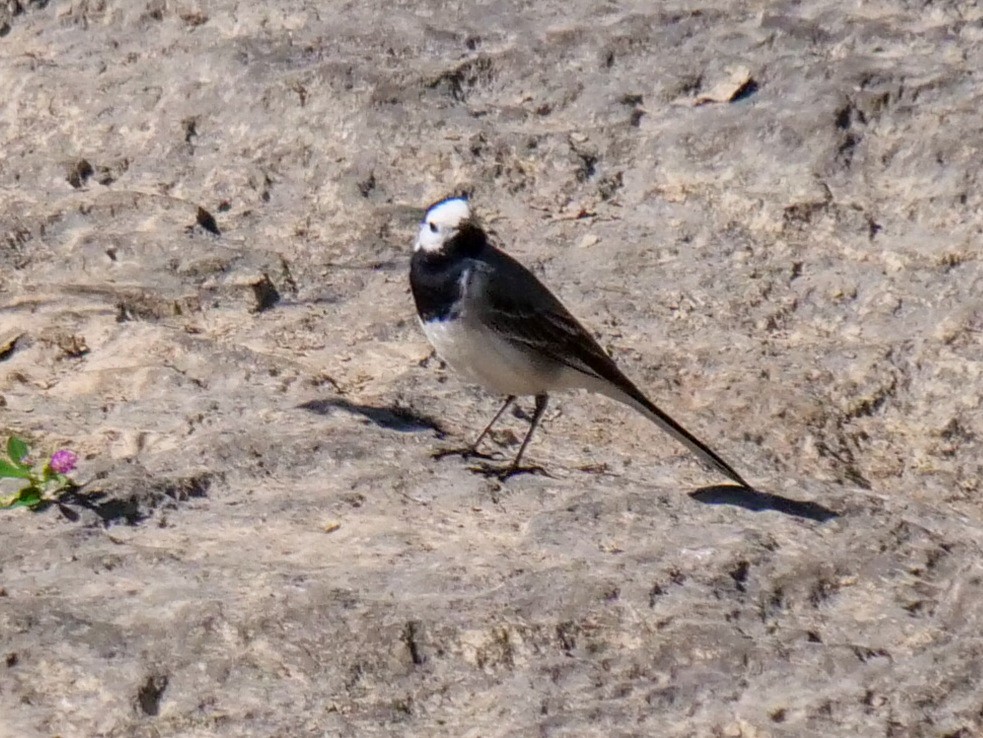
x,y
771,213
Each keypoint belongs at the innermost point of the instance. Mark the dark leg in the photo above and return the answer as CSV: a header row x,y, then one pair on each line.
x,y
472,450
541,401
508,401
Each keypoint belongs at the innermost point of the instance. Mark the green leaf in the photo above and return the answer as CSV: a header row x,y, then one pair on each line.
x,y
10,470
28,497
17,449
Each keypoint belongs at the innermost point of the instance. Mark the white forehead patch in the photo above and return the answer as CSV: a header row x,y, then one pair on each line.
x,y
449,212
441,223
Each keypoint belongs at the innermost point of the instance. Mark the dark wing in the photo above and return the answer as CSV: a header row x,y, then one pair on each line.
x,y
515,304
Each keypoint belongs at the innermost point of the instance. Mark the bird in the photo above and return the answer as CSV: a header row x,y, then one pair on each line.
x,y
494,322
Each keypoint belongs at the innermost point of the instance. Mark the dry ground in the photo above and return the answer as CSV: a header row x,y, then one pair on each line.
x,y
264,547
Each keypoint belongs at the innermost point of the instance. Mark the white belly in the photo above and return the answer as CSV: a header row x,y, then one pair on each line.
x,y
483,357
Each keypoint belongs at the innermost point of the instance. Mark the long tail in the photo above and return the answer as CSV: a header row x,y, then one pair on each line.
x,y
632,396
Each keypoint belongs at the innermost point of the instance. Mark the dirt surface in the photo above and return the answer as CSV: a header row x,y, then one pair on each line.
x,y
770,213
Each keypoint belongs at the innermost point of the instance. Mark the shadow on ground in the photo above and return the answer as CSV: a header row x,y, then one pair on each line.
x,y
756,501
404,420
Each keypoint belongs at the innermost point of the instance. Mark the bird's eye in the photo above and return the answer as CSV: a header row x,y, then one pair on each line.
x,y
433,227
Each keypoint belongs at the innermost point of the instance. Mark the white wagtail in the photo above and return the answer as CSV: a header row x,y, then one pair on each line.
x,y
494,322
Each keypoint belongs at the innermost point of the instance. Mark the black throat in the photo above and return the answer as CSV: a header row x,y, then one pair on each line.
x,y
435,277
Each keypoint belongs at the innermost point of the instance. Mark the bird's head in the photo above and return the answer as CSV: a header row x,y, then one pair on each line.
x,y
444,220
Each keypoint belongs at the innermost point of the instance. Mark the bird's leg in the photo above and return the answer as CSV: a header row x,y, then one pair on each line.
x,y
541,401
481,436
472,450
514,467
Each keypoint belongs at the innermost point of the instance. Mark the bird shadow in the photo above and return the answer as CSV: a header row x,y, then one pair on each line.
x,y
755,501
402,419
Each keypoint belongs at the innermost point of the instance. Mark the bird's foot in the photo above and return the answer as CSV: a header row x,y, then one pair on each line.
x,y
467,452
502,474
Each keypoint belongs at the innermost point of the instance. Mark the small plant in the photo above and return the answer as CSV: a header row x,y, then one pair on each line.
x,y
43,481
